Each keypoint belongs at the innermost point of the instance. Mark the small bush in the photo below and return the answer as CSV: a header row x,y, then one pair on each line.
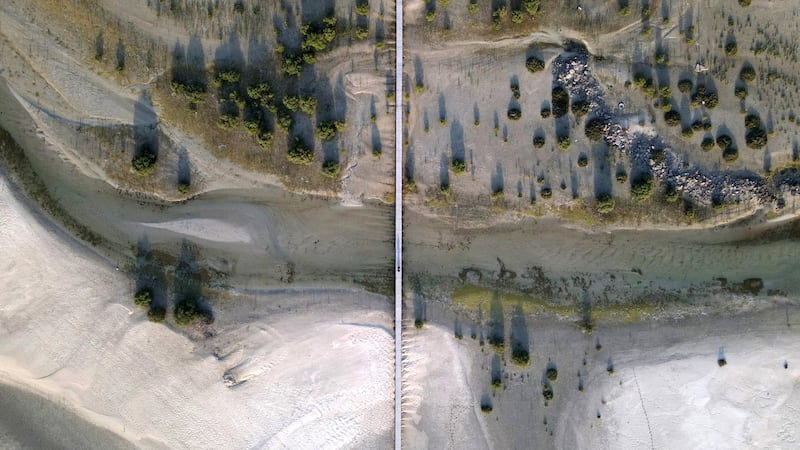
x,y
534,64
228,121
459,166
697,125
551,372
583,160
730,154
538,141
156,314
362,8
595,129
747,74
545,113
672,118
514,114
300,153
606,203
642,187
564,142
740,92
520,356
145,163
547,391
330,169
731,49
143,298
560,101
187,312
546,192
621,176
724,141
707,144
486,408
229,76
184,188
328,130
419,323
580,108
756,138
744,3
685,85
752,121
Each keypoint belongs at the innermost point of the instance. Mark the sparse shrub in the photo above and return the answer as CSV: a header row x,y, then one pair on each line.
x,y
497,383
516,17
143,298
486,408
264,139
606,203
685,85
642,187
514,114
184,188
724,141
534,64
697,125
671,192
545,113
430,16
145,163
625,10
595,129
300,153
459,166
560,101
330,168
156,314
740,92
707,144
251,127
419,323
472,7
308,105
583,160
687,132
538,141
747,74
672,118
621,176
661,58
546,192
551,372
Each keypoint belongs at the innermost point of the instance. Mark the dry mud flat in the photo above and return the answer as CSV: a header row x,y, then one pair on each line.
x,y
301,368
645,385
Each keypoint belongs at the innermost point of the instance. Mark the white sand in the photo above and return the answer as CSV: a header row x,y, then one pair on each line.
x,y
319,376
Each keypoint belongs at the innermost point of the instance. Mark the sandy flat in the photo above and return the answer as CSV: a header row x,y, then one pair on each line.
x,y
310,368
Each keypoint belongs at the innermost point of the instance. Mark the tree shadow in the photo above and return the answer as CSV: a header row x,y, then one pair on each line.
x,y
149,274
419,74
409,164
496,325
444,172
520,340
99,46
498,180
120,54
145,129
458,152
184,168
188,282
602,170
